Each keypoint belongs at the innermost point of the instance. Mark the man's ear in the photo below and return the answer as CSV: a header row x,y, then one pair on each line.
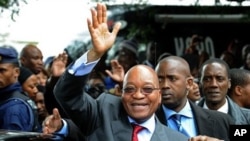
x,y
189,81
238,90
21,59
17,72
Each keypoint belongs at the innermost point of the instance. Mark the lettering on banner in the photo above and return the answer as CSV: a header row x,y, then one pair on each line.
x,y
182,43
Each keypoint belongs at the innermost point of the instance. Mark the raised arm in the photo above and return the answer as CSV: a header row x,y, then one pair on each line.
x,y
102,38
69,90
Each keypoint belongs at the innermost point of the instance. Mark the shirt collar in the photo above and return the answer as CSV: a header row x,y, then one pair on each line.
x,y
148,124
185,111
223,108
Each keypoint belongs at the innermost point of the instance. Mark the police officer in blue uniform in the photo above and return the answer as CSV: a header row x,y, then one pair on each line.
x,y
16,111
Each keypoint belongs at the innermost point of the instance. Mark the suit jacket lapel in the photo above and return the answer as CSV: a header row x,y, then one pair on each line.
x,y
161,116
160,134
121,129
201,117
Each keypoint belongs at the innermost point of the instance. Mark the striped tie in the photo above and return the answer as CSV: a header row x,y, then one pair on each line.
x,y
177,119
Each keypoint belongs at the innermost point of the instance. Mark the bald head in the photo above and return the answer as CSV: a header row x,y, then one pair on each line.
x,y
177,63
141,72
27,50
31,57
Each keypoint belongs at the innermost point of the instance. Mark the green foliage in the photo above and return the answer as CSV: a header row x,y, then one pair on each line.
x,y
4,3
11,5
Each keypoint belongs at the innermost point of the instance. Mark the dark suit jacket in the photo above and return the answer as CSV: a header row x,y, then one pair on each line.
x,y
210,123
74,133
103,118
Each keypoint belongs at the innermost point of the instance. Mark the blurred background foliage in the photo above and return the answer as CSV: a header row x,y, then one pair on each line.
x,y
11,5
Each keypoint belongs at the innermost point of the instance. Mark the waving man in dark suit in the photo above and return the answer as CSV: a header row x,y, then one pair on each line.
x,y
110,117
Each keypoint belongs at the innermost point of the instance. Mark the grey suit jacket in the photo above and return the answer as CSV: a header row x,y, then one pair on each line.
x,y
239,115
103,118
210,123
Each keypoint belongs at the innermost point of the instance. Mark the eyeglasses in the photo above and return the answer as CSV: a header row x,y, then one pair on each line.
x,y
145,91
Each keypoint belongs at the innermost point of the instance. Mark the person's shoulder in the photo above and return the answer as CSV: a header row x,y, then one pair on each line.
x,y
236,107
20,99
107,95
108,99
211,113
11,97
245,111
14,105
22,96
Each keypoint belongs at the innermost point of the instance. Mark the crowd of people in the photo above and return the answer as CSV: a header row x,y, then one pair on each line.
x,y
180,98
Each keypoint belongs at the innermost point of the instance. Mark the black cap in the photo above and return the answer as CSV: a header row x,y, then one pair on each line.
x,y
25,73
8,54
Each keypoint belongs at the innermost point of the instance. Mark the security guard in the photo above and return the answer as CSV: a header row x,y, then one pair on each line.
x,y
15,111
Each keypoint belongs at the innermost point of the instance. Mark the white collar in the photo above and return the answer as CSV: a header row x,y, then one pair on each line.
x,y
148,124
223,108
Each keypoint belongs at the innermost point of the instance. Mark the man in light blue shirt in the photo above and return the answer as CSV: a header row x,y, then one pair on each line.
x,y
175,82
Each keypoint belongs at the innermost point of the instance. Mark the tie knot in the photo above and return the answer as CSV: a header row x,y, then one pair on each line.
x,y
137,128
176,117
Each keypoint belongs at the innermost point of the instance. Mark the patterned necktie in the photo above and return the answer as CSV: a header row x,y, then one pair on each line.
x,y
177,119
136,130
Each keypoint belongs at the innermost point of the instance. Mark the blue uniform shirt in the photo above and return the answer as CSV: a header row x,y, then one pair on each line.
x,y
15,115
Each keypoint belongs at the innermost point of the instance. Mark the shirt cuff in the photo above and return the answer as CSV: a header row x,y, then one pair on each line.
x,y
63,133
81,67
